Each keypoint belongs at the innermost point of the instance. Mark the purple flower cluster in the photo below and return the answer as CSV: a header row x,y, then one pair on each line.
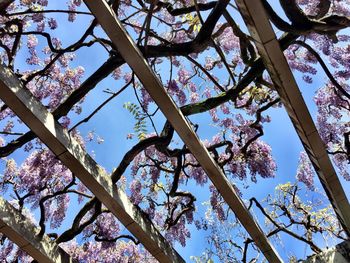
x,y
305,172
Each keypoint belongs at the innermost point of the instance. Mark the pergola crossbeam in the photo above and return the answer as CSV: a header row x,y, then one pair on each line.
x,y
43,124
134,58
22,232
262,32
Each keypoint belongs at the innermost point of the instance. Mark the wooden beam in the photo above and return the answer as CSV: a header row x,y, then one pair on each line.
x,y
43,124
22,232
132,55
261,30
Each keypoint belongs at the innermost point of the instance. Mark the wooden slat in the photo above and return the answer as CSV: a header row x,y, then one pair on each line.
x,y
261,30
132,55
22,232
43,124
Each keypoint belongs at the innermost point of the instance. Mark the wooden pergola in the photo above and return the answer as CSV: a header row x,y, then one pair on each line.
x,y
44,125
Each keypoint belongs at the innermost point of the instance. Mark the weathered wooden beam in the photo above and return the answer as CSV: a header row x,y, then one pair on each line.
x,y
43,124
261,30
22,232
132,55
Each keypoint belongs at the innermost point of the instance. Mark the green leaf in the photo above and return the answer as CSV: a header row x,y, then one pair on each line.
x,y
140,127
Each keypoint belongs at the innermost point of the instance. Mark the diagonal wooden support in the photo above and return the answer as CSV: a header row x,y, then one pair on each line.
x,y
132,55
43,124
261,30
22,232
